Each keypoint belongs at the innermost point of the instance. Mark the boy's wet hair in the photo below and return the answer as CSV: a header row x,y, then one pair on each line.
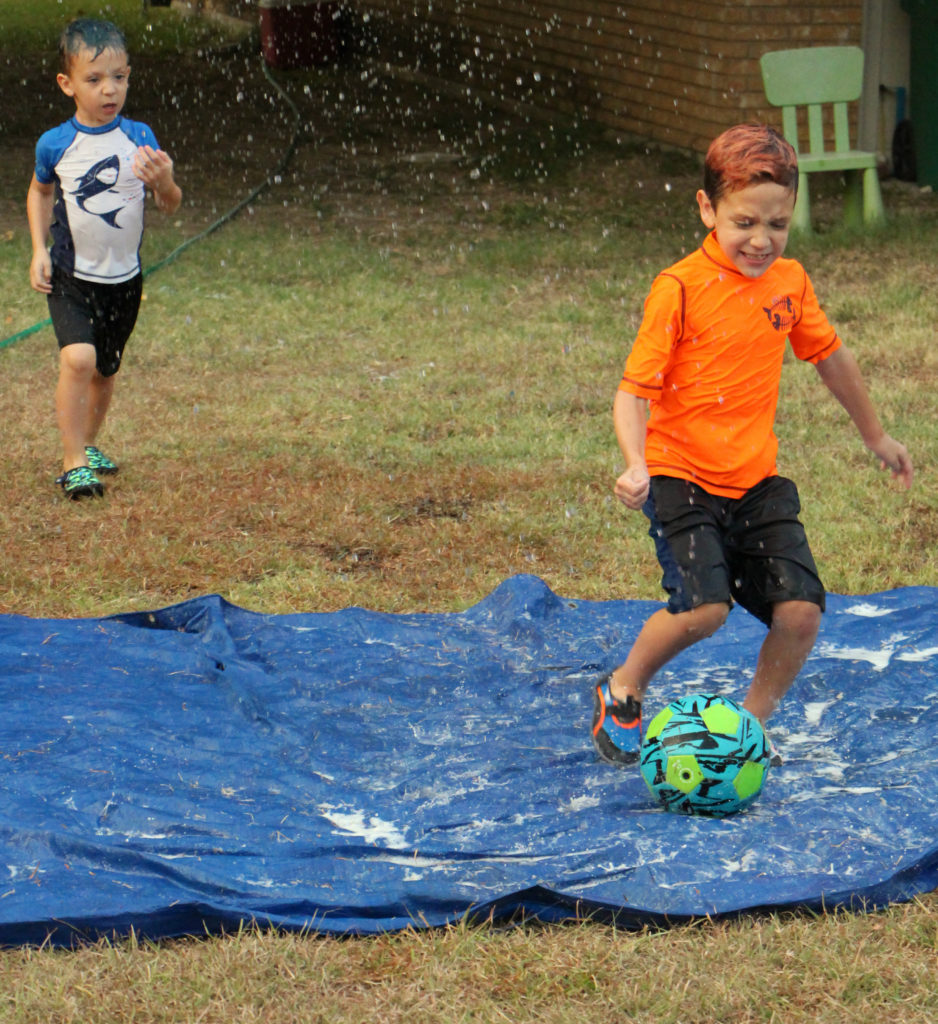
x,y
749,154
89,34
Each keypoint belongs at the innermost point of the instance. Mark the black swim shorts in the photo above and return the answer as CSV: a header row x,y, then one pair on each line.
x,y
752,550
102,315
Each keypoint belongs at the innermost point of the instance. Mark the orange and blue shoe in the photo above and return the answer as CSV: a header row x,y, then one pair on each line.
x,y
617,726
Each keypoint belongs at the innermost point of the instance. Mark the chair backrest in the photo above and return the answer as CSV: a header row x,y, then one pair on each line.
x,y
811,77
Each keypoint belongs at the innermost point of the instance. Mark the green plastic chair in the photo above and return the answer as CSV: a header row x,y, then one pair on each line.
x,y
812,77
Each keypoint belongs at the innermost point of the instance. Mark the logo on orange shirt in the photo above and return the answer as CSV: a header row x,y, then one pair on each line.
x,y
781,313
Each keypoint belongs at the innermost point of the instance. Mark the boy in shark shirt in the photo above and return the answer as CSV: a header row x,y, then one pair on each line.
x,y
88,192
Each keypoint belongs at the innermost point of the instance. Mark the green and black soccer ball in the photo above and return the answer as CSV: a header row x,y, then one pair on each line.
x,y
705,754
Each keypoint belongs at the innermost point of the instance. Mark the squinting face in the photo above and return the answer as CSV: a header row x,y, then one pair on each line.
x,y
751,224
97,84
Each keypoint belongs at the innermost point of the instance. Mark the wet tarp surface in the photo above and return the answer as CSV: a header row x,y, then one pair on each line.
x,y
202,766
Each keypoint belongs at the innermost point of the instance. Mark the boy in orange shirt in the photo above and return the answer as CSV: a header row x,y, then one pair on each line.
x,y
694,417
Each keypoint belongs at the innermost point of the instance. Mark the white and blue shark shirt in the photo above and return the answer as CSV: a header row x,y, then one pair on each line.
x,y
97,224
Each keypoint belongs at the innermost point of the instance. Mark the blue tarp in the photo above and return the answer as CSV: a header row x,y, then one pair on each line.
x,y
202,766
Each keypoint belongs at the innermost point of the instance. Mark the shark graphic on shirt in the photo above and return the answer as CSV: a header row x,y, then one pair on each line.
x,y
98,180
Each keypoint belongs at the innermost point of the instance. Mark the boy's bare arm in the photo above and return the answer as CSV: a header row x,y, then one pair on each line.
x,y
630,414
842,377
39,201
155,169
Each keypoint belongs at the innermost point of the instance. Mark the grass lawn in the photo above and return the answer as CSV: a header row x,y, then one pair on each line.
x,y
387,382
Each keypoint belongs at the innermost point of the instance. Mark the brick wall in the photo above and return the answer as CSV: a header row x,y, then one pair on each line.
x,y
673,71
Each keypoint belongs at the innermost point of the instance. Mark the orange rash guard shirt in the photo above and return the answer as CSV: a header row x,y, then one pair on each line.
x,y
708,357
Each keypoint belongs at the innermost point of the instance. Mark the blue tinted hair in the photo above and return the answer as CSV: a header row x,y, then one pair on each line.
x,y
89,34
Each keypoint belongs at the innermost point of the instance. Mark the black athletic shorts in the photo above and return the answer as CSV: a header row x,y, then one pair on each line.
x,y
752,550
102,315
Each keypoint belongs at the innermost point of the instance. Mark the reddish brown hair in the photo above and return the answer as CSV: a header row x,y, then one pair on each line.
x,y
749,154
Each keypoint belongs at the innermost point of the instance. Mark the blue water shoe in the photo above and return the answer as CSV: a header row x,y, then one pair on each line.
x,y
617,726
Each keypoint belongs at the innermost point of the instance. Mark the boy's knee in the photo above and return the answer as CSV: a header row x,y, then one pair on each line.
x,y
80,360
802,619
708,618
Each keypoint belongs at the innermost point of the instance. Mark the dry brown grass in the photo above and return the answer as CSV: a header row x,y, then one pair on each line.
x,y
835,970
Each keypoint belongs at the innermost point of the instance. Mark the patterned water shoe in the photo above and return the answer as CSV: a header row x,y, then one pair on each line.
x,y
617,726
81,482
99,462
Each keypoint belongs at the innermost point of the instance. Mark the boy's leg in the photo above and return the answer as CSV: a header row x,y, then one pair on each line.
x,y
784,651
92,324
75,401
617,702
662,638
684,524
694,575
102,389
777,581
